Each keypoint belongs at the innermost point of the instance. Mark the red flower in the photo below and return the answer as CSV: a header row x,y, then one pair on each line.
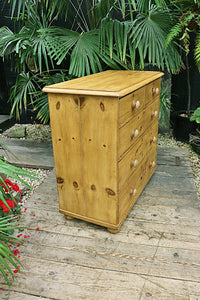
x,y
15,271
37,228
16,252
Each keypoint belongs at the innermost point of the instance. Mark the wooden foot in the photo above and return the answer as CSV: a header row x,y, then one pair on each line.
x,y
69,217
112,230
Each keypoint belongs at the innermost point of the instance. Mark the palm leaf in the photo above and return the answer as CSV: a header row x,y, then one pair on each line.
x,y
82,49
197,51
148,32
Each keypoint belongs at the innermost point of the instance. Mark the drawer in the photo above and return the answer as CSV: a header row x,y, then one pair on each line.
x,y
131,132
135,157
131,105
133,187
152,91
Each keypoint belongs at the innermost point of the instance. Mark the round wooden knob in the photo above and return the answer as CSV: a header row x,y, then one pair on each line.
x,y
157,91
135,104
133,192
153,139
152,164
134,163
154,113
134,133
153,91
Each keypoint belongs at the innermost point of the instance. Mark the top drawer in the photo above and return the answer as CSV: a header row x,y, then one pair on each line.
x,y
152,91
131,105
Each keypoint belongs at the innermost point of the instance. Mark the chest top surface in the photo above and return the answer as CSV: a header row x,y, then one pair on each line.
x,y
113,83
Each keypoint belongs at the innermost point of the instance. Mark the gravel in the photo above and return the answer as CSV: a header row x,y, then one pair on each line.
x,y
37,132
27,192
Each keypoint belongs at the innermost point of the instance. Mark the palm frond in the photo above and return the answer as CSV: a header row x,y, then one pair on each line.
x,y
174,32
148,33
197,51
8,260
22,93
82,50
41,99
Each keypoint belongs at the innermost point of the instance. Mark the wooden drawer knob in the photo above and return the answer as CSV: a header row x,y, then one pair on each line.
x,y
152,164
134,133
154,113
134,163
157,91
133,192
153,91
135,104
153,139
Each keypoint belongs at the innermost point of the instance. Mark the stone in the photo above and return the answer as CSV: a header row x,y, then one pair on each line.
x,y
17,133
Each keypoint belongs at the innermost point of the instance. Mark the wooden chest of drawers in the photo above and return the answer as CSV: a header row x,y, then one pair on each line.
x,y
104,132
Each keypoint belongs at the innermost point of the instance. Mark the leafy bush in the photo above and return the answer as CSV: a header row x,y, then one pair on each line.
x,y
96,35
196,116
9,212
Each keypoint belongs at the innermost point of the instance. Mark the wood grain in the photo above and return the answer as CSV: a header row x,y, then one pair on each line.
x,y
109,83
99,129
141,123
66,140
131,105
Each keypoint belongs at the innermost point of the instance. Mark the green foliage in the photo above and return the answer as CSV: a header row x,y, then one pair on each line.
x,y
97,35
196,116
165,105
197,51
148,34
9,223
8,260
187,21
27,92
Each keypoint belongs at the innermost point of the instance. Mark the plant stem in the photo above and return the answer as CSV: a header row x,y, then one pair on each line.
x,y
189,86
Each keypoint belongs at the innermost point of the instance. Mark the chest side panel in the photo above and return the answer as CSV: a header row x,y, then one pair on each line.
x,y
65,127
99,125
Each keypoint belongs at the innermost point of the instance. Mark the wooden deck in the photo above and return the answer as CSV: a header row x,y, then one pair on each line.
x,y
156,255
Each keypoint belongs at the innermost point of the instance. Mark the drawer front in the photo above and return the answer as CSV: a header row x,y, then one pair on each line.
x,y
152,91
131,105
136,155
133,187
131,132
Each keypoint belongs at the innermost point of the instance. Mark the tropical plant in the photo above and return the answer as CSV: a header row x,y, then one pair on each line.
x,y
8,222
196,116
8,259
165,105
187,23
95,35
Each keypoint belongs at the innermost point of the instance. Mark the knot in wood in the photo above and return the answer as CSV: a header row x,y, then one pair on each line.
x,y
60,180
58,105
93,187
110,192
75,184
102,106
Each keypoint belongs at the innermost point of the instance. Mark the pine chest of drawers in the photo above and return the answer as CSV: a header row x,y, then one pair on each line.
x,y
104,133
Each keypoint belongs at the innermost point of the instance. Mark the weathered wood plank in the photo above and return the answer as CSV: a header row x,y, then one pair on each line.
x,y
164,200
10,295
174,171
172,160
116,256
138,231
172,151
64,281
168,215
161,288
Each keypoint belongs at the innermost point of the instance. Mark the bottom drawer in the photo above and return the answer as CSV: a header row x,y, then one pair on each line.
x,y
134,185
